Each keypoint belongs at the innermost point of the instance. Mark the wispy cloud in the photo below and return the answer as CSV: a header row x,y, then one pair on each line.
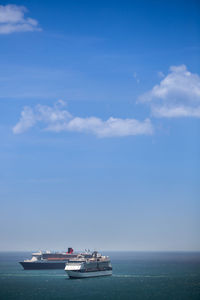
x,y
57,119
136,77
12,20
161,74
177,95
175,111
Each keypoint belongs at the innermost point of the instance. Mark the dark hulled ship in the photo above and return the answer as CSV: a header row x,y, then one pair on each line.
x,y
50,260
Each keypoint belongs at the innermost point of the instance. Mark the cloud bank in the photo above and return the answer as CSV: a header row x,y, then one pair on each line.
x,y
12,20
57,119
177,95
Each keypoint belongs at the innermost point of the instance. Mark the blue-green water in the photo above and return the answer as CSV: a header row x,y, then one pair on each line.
x,y
135,276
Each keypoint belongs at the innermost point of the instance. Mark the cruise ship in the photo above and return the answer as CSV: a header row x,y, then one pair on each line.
x,y
82,267
50,260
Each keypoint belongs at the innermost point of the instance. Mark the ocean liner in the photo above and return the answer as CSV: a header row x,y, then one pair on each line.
x,y
82,267
50,260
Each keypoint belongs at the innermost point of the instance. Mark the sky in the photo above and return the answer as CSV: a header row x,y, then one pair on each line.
x,y
100,125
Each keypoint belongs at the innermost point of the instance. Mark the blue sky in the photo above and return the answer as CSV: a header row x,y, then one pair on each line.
x,y
99,125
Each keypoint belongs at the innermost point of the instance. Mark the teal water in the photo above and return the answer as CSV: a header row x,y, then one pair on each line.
x,y
136,275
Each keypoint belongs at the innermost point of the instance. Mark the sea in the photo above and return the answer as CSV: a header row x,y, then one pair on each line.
x,y
136,275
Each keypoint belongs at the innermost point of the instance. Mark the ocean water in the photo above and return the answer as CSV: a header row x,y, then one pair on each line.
x,y
136,275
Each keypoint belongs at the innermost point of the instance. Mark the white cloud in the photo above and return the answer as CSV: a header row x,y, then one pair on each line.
x,y
177,95
12,20
27,120
176,111
110,127
57,119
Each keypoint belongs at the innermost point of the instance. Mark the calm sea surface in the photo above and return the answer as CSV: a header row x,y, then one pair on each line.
x,y
135,276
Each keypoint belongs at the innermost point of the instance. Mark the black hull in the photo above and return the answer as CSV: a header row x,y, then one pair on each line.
x,y
43,265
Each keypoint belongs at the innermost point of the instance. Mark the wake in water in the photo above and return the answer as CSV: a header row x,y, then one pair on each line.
x,y
64,275
138,276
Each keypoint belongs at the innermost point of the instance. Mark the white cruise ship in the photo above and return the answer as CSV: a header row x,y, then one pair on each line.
x,y
82,267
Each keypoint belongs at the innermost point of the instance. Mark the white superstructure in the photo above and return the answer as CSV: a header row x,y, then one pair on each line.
x,y
81,267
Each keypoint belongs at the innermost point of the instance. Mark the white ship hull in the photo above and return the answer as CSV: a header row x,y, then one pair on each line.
x,y
76,274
